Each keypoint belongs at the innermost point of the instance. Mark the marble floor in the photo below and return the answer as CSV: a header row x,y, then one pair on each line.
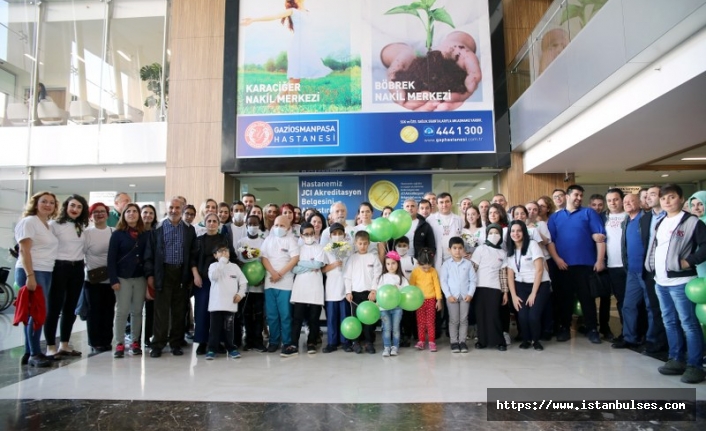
x,y
417,389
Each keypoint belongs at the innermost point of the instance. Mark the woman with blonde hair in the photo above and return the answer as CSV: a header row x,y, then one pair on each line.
x,y
38,249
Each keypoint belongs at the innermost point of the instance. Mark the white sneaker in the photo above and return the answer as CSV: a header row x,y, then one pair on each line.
x,y
508,340
393,351
386,352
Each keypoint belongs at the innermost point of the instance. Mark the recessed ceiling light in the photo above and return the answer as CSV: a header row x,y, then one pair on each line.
x,y
665,175
123,55
132,185
693,158
482,188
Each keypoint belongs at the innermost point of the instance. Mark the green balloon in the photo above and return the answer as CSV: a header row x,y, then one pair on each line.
x,y
696,291
380,230
368,313
701,313
578,311
351,328
254,272
388,296
412,298
401,223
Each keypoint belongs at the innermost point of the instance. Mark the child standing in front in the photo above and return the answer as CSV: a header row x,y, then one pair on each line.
x,y
426,278
337,308
391,318
458,282
407,263
254,304
307,293
362,272
228,287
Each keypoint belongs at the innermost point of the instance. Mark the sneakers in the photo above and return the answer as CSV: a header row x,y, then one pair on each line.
x,y
357,348
289,351
386,352
210,355
234,354
419,345
369,348
593,337
201,350
119,351
260,348
693,375
507,338
463,347
348,348
563,335
393,351
329,348
272,348
538,346
672,368
432,346
455,348
311,349
135,349
525,345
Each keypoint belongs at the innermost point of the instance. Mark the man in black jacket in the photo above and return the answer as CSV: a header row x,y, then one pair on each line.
x,y
648,222
170,265
423,235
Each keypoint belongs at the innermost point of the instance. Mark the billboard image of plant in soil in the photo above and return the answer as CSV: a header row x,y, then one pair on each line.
x,y
429,54
296,56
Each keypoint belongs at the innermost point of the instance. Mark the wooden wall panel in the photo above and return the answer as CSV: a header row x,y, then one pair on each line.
x,y
519,19
520,188
195,99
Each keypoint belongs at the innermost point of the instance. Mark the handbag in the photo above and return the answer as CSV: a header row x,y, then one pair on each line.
x,y
97,275
599,284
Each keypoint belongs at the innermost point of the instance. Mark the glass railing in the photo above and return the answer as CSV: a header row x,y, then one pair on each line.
x,y
83,62
562,22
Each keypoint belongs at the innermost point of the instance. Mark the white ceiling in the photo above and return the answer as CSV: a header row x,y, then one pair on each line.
x,y
673,122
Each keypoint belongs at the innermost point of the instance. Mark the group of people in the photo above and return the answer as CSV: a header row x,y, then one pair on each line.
x,y
475,269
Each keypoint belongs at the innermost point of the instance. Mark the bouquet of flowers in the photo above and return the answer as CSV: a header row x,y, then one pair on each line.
x,y
249,254
470,241
340,249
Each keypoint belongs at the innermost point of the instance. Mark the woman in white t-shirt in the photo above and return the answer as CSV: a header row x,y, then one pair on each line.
x,y
38,248
68,275
100,296
365,216
528,281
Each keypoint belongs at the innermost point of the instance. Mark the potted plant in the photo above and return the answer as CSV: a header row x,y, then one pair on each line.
x,y
152,74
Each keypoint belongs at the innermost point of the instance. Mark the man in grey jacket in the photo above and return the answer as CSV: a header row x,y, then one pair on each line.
x,y
678,245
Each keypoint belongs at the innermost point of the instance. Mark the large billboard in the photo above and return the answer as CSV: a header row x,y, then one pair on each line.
x,y
328,78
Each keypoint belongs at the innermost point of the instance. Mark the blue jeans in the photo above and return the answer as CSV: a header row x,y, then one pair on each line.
x,y
279,316
391,326
336,311
32,336
635,293
677,307
202,318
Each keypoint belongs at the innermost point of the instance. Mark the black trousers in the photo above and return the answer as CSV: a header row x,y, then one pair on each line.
x,y
573,283
253,313
309,313
221,326
101,312
169,306
368,335
148,323
530,318
65,289
618,280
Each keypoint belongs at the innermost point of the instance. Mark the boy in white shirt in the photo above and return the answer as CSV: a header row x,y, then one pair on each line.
x,y
228,286
337,308
362,272
280,254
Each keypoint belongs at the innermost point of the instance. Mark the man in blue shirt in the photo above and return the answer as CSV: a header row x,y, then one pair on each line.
x,y
577,234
